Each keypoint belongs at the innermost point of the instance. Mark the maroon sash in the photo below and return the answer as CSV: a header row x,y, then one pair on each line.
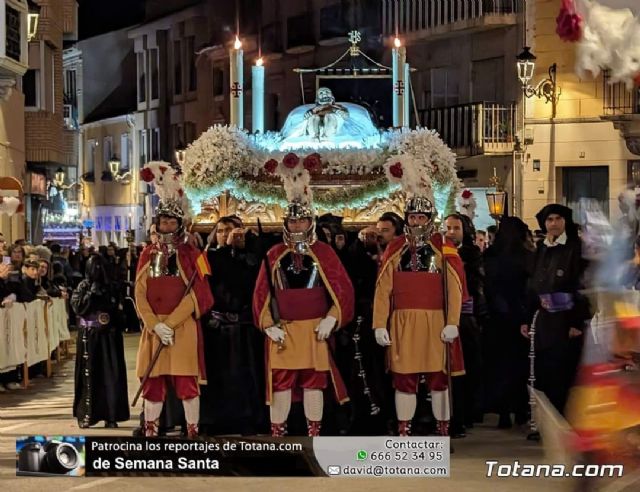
x,y
301,304
417,290
164,293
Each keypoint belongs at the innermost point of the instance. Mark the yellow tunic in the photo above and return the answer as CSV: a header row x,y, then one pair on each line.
x,y
179,359
416,346
302,349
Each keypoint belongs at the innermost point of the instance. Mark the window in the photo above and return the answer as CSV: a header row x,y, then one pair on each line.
x,y
70,87
125,151
13,50
178,136
332,22
53,82
31,88
218,82
144,147
90,157
177,68
155,144
189,132
487,80
142,87
153,70
300,31
444,88
191,63
107,152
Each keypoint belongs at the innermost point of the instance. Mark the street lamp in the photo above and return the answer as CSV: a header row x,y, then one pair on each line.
x,y
497,199
32,20
114,165
114,168
181,154
58,178
546,88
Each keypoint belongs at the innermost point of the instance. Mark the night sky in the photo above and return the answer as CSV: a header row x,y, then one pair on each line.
x,y
100,16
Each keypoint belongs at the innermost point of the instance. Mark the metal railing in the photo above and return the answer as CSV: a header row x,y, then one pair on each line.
x,y
474,128
419,15
617,99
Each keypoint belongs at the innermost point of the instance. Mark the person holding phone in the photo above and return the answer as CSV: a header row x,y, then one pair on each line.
x,y
232,401
8,380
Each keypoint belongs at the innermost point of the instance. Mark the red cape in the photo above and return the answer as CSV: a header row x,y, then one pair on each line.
x,y
334,274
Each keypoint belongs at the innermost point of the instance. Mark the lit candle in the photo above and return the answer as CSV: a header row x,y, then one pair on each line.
x,y
236,85
398,58
257,96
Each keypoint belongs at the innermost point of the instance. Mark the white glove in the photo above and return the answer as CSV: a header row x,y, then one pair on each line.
x,y
164,333
382,337
275,333
449,333
9,300
325,327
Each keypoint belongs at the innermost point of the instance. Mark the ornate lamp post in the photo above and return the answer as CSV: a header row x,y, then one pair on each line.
x,y
114,169
546,88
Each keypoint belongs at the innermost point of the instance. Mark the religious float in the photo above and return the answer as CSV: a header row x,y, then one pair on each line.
x,y
354,168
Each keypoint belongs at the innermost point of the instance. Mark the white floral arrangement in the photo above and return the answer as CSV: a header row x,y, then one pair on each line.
x,y
227,159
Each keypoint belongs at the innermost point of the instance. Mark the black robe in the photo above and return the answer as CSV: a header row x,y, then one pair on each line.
x,y
100,373
467,389
504,348
370,392
558,269
232,401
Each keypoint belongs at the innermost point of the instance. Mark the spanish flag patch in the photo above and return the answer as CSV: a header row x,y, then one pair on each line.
x,y
449,250
202,265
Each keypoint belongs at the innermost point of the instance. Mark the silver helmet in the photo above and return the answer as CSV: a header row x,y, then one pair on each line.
x,y
419,235
170,208
299,241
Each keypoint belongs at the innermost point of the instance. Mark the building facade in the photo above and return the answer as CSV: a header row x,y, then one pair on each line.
x,y
49,145
105,102
14,61
586,150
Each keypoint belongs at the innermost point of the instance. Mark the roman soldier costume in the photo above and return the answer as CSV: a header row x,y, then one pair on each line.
x,y
314,296
418,299
170,316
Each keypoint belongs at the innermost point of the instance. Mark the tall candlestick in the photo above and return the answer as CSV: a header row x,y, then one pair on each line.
x,y
399,56
236,115
407,95
257,96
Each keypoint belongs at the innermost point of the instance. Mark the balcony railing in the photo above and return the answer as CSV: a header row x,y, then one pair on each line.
x,y
420,15
618,100
475,128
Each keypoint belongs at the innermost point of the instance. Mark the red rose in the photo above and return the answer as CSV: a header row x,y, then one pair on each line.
x,y
396,170
568,22
466,194
146,174
312,162
270,166
290,160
